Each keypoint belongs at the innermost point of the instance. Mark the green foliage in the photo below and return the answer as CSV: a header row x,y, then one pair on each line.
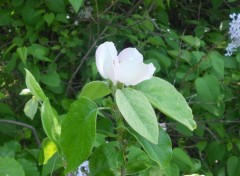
x,y
160,152
51,124
9,166
95,90
168,100
138,113
79,132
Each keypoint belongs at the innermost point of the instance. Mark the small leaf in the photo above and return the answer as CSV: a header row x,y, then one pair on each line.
x,y
208,90
79,132
49,17
56,6
47,151
181,158
2,95
95,90
50,122
161,152
168,100
22,53
34,87
138,113
76,4
9,166
31,107
51,79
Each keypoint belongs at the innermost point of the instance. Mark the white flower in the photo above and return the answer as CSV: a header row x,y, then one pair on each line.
x,y
127,67
234,32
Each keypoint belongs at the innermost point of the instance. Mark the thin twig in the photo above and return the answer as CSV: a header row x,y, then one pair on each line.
x,y
85,57
24,125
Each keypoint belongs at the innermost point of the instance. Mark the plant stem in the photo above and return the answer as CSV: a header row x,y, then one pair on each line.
x,y
24,125
122,144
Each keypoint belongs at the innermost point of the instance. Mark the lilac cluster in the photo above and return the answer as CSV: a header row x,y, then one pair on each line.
x,y
234,32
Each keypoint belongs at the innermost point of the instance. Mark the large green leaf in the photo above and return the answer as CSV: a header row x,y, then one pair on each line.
x,y
95,90
76,4
50,122
9,166
168,100
138,113
34,87
160,152
79,132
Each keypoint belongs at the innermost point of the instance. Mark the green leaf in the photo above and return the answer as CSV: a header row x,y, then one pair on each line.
x,y
50,122
5,109
22,53
181,158
51,79
208,88
168,100
208,91
79,132
233,166
160,152
2,95
192,41
138,113
39,51
9,166
217,64
31,107
49,17
137,161
47,151
172,170
95,90
30,167
106,160
34,87
215,152
238,57
56,6
76,4
10,148
54,163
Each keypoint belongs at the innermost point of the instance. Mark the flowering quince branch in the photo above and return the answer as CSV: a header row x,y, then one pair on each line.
x,y
130,111
127,67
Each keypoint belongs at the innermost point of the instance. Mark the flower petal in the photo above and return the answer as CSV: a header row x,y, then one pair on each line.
x,y
132,72
145,74
106,57
130,54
